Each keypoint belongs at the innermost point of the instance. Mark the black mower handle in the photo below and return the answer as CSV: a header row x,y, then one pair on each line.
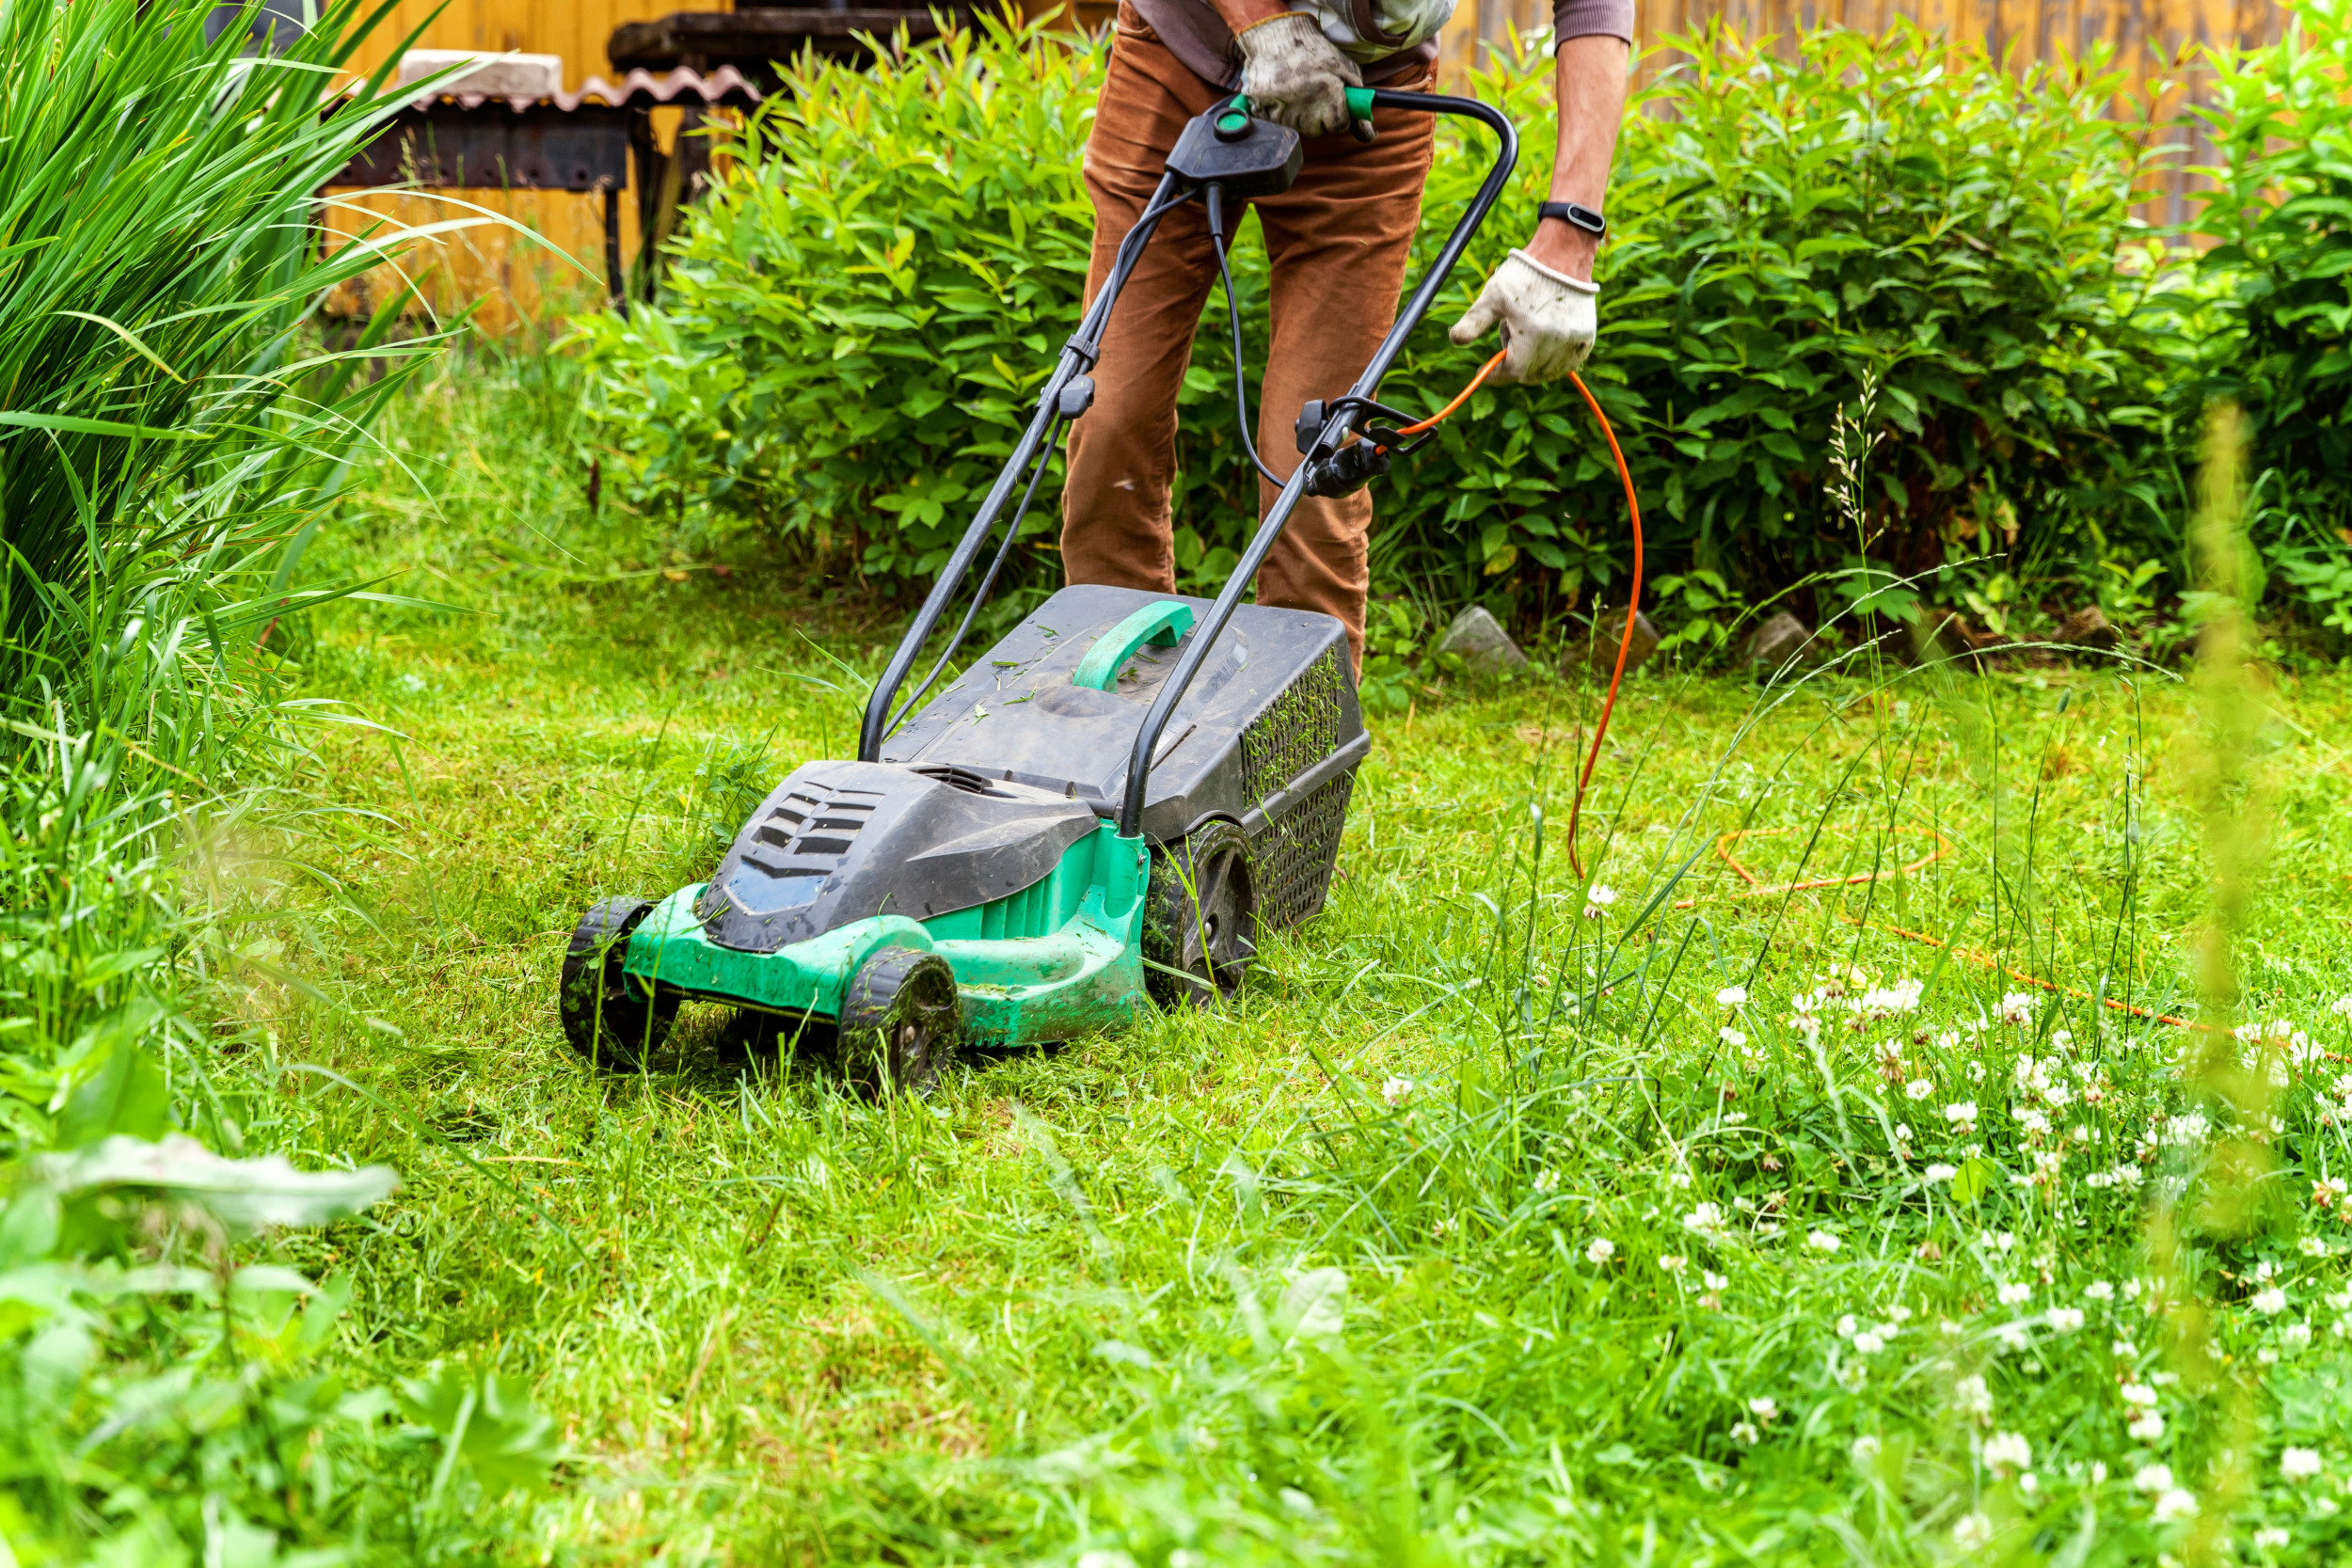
x,y
1068,392
1334,433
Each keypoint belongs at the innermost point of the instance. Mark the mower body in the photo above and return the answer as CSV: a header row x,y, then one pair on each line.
x,y
984,835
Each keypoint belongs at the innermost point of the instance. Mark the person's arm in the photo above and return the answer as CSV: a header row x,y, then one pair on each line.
x,y
1591,77
1542,297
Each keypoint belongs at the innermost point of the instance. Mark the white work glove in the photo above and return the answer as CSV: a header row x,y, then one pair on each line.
x,y
1294,76
1548,319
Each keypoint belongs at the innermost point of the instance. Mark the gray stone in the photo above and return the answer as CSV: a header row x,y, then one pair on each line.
x,y
1778,640
2087,627
1479,641
1609,630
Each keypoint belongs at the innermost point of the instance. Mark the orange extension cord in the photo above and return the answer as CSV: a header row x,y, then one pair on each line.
x,y
1609,703
1633,598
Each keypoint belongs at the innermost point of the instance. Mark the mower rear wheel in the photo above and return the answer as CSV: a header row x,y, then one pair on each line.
x,y
603,1021
1200,918
901,1020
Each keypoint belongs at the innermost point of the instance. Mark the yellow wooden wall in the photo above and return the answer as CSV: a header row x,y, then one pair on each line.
x,y
2152,39
519,282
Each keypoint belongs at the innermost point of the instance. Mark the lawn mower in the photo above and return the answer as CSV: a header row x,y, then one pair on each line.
x,y
1113,805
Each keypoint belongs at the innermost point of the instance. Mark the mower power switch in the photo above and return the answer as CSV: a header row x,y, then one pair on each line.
x,y
1228,147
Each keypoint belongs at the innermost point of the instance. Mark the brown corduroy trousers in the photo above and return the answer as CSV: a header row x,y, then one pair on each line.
x,y
1338,241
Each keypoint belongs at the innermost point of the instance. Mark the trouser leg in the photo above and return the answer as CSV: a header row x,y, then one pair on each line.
x,y
1339,242
1116,524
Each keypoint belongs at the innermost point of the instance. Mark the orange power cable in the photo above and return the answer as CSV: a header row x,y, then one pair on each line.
x,y
1460,398
1632,608
1634,598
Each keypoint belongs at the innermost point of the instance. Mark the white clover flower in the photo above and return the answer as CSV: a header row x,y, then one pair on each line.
x,y
1970,1397
1547,1180
1940,1172
2139,1393
1601,1250
1972,1532
1918,1089
1821,1240
2015,1294
1869,1341
1865,1449
1962,1114
1596,899
2176,1505
1711,1280
2270,1301
2066,1320
2017,1007
2341,1007
2004,1241
2100,1290
1396,1090
1731,1037
2007,1450
1764,1408
2270,1538
1707,1219
2154,1478
1744,1432
1672,1262
2298,1464
2297,1335
1846,1325
1732,996
2149,1428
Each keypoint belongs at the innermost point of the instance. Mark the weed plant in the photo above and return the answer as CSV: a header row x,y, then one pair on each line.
x,y
1782,1191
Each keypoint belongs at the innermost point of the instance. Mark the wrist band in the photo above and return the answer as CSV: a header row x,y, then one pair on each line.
x,y
1575,215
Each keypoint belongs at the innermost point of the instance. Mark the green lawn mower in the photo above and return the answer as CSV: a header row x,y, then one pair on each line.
x,y
1112,804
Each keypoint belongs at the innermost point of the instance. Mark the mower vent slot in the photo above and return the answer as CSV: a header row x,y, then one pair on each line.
x,y
1297,852
1298,729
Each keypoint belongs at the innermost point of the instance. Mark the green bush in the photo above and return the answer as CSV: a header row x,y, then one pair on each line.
x,y
860,313
2280,266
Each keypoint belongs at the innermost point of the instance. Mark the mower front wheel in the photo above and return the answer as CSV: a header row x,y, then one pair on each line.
x,y
602,1019
901,1020
1200,917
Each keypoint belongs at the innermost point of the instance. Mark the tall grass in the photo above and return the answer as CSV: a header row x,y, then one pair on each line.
x,y
170,439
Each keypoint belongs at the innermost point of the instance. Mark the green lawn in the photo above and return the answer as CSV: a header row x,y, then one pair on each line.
x,y
1490,1224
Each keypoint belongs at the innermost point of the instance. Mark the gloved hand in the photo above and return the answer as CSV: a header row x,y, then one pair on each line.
x,y
1293,75
1548,319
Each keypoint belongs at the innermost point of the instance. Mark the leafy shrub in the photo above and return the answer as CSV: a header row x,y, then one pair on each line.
x,y
860,312
857,316
2281,267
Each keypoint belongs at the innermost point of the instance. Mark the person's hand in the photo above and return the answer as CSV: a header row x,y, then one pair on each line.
x,y
1294,76
1548,319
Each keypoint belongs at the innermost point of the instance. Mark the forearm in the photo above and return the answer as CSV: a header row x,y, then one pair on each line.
x,y
1591,76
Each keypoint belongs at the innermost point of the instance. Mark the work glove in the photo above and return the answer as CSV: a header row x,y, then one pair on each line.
x,y
1548,319
1293,74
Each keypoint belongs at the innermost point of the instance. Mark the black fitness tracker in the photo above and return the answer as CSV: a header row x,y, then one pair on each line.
x,y
1575,215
